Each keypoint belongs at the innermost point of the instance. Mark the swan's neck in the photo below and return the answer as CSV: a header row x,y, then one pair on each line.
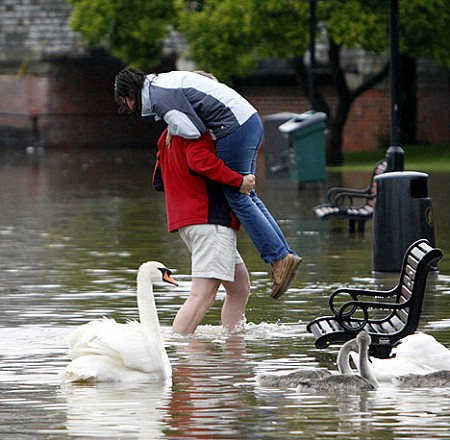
x,y
148,314
365,371
343,358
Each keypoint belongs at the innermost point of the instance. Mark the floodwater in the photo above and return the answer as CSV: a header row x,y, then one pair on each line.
x,y
75,226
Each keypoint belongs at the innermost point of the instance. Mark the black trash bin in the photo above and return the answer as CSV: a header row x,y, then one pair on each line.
x,y
402,215
306,131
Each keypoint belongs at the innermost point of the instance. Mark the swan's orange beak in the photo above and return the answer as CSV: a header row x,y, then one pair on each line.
x,y
168,279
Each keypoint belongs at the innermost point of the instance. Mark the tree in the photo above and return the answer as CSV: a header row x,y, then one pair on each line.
x,y
132,30
424,25
228,37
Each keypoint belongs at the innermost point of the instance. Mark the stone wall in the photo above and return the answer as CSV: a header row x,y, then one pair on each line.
x,y
35,30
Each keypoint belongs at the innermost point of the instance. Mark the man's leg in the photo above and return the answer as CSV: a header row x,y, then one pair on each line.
x,y
237,293
202,297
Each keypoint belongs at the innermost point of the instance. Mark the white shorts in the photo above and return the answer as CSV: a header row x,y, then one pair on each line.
x,y
213,250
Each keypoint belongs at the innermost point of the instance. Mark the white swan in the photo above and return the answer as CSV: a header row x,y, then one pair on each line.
x,y
309,378
418,353
107,351
431,352
365,381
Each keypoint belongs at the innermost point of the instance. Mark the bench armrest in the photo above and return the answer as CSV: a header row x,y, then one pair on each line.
x,y
356,295
348,309
332,193
348,197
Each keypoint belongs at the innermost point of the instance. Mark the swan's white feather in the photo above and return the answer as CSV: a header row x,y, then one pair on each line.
x,y
105,350
418,353
425,350
386,369
101,368
130,344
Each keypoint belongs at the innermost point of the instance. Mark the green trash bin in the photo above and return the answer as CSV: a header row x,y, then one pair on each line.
x,y
306,133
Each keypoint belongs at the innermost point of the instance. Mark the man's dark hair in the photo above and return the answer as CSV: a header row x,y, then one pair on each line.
x,y
128,83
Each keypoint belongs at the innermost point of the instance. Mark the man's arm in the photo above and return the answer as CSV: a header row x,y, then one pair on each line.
x,y
202,160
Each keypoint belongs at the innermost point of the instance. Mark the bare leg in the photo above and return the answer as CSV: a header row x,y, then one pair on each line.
x,y
237,292
202,297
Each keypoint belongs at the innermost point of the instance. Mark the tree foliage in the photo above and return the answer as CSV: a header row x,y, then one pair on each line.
x,y
425,29
356,23
220,35
229,36
132,30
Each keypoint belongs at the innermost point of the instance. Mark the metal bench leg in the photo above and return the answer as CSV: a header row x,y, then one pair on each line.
x,y
351,225
361,224
381,352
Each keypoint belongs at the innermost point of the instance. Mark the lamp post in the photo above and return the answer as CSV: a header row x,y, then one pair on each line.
x,y
312,52
403,211
394,153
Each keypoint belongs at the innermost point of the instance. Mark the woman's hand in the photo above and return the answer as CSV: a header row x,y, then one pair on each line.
x,y
168,139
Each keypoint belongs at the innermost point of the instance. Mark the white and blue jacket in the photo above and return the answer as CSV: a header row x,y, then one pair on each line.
x,y
191,103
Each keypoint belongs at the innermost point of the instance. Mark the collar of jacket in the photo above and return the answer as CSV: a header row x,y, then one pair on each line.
x,y
147,106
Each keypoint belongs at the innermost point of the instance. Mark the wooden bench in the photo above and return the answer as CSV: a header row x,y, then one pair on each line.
x,y
388,316
354,204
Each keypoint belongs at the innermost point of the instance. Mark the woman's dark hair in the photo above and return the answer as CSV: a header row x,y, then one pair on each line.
x,y
128,83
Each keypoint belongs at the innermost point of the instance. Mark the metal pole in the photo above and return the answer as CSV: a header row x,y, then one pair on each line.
x,y
395,153
312,52
35,126
403,212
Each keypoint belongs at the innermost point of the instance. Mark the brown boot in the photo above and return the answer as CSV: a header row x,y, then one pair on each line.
x,y
283,276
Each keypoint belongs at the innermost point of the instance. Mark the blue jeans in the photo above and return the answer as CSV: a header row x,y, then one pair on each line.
x,y
239,150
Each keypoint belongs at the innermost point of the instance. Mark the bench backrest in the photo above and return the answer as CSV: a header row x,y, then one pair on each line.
x,y
416,265
380,168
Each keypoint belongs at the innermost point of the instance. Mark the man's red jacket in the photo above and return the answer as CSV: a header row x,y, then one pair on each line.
x,y
192,176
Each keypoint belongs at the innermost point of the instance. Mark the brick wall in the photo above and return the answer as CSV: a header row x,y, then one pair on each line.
x,y
368,124
275,99
434,116
75,107
82,103
368,121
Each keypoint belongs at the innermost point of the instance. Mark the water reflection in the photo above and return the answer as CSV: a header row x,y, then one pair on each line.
x,y
115,411
204,365
75,226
